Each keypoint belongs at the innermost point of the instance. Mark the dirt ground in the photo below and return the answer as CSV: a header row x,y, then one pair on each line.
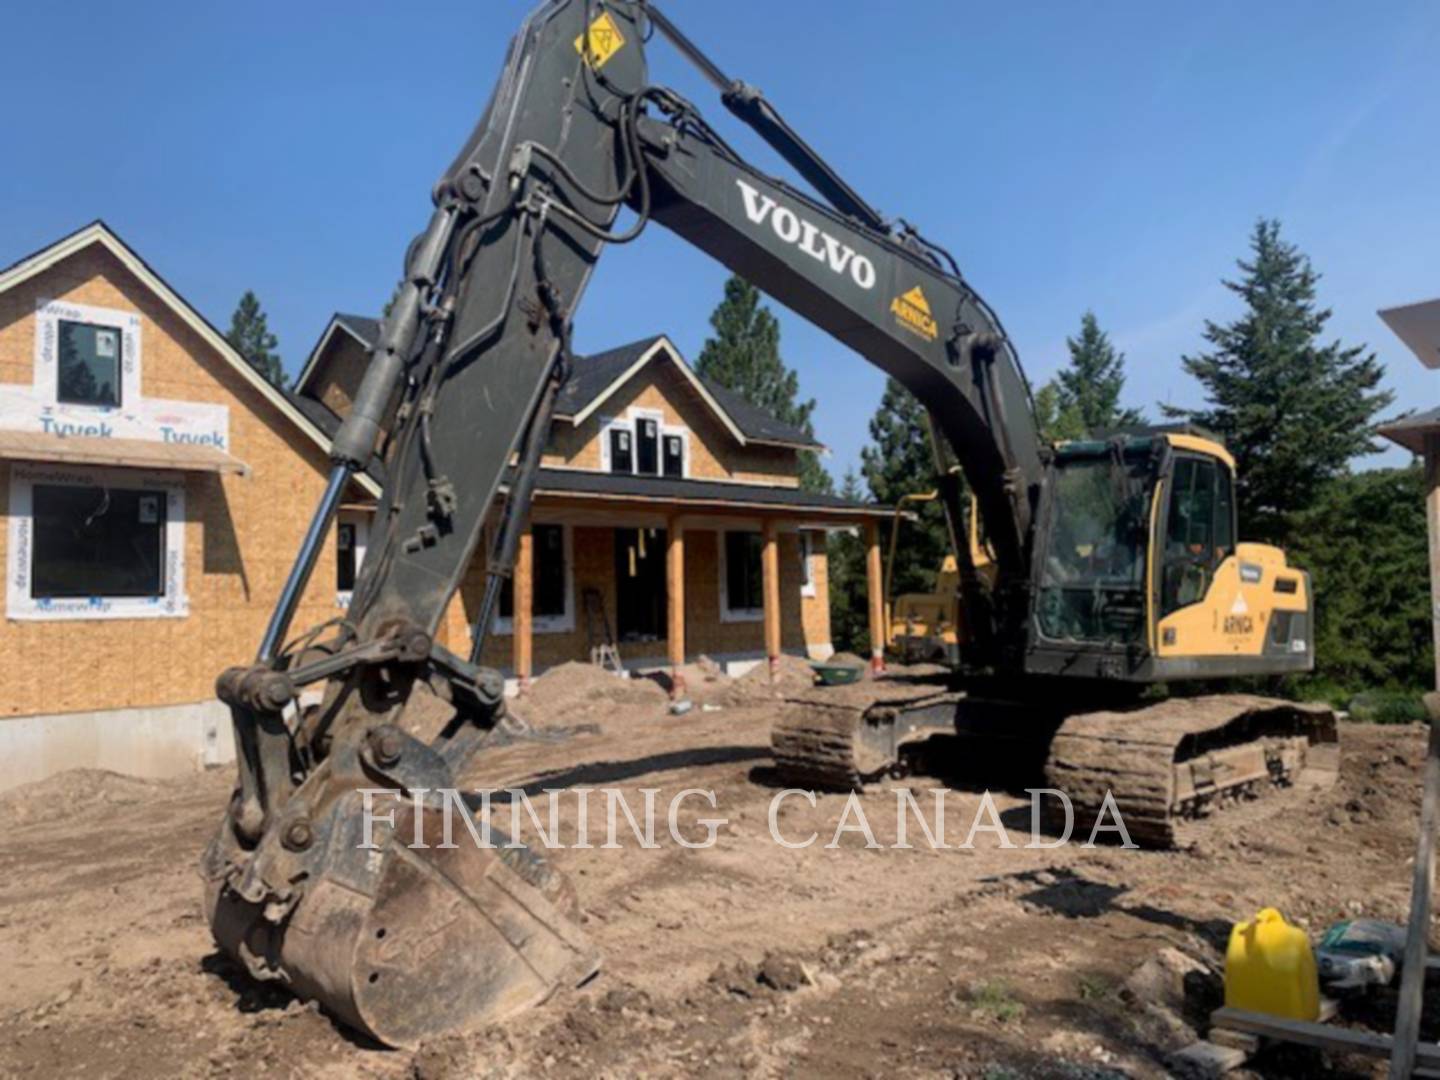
x,y
744,958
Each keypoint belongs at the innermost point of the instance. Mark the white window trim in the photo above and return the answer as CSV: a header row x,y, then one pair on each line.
x,y
629,422
20,605
361,521
727,613
549,624
48,316
807,566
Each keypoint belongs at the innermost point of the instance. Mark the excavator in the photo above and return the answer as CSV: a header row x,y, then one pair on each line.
x,y
1116,563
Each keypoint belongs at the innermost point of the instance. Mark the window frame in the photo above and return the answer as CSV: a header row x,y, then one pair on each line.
x,y
625,432
49,314
20,605
563,623
683,441
119,379
640,419
730,614
361,525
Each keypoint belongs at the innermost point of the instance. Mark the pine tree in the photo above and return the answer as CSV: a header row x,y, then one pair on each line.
x,y
743,355
902,463
1293,411
250,336
849,615
1054,421
1364,544
1089,387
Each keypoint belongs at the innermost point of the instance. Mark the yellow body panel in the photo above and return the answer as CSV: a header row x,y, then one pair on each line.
x,y
1269,968
1234,615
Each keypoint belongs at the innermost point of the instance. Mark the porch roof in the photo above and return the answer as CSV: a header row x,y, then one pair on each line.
x,y
130,453
1410,431
689,492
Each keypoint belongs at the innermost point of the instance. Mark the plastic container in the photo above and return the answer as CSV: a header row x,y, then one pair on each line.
x,y
1270,968
837,674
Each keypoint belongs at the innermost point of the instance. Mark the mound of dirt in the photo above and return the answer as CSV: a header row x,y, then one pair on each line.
x,y
792,676
1377,787
574,689
69,792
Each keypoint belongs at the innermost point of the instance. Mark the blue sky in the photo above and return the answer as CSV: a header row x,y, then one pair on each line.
x,y
1103,155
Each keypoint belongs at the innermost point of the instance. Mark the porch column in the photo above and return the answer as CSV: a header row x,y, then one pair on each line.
x,y
523,620
675,603
770,582
1432,515
875,594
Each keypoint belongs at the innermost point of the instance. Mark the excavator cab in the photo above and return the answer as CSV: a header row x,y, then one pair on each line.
x,y
1141,576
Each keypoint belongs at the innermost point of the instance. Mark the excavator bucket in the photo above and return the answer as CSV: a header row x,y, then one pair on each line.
x,y
422,934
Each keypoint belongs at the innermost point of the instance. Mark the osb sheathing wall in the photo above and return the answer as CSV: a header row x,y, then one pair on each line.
x,y
241,533
715,454
805,621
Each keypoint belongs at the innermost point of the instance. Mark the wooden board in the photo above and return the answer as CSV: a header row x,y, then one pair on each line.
x,y
1323,1036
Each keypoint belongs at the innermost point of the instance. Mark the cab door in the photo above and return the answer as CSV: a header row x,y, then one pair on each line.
x,y
1205,605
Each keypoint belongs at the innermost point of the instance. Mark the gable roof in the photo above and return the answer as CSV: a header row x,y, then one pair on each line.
x,y
595,378
363,329
99,233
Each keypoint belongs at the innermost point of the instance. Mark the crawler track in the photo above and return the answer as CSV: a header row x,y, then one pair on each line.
x,y
1170,767
1167,769
837,739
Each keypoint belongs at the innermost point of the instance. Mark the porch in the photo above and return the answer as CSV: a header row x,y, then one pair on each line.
x,y
700,569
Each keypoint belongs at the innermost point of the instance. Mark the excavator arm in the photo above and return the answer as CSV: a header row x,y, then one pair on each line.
x,y
404,939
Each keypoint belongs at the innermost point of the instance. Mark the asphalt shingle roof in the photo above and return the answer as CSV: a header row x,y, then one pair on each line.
x,y
671,489
594,374
363,327
1410,431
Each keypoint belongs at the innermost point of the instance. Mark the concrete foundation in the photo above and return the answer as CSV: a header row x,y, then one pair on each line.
x,y
153,743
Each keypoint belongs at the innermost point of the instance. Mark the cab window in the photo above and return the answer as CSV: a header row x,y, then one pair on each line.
x,y
1200,531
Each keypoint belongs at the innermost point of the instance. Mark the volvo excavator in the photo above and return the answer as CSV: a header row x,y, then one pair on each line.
x,y
1115,562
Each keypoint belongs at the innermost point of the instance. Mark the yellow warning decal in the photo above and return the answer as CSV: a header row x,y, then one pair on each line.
x,y
605,40
912,312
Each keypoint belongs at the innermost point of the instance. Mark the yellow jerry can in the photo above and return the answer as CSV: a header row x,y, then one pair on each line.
x,y
1269,968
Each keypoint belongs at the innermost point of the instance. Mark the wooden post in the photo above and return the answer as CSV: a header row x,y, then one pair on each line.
x,y
1432,518
675,603
1417,934
770,581
523,622
875,591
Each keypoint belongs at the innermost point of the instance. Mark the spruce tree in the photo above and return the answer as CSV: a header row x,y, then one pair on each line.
x,y
250,336
743,355
901,462
1292,410
1088,388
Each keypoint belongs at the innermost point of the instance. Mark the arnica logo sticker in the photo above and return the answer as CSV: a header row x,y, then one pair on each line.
x,y
912,312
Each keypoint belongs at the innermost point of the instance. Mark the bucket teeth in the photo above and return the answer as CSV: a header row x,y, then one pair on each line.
x,y
411,938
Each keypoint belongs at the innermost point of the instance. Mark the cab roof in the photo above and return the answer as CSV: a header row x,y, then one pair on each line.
x,y
1190,437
